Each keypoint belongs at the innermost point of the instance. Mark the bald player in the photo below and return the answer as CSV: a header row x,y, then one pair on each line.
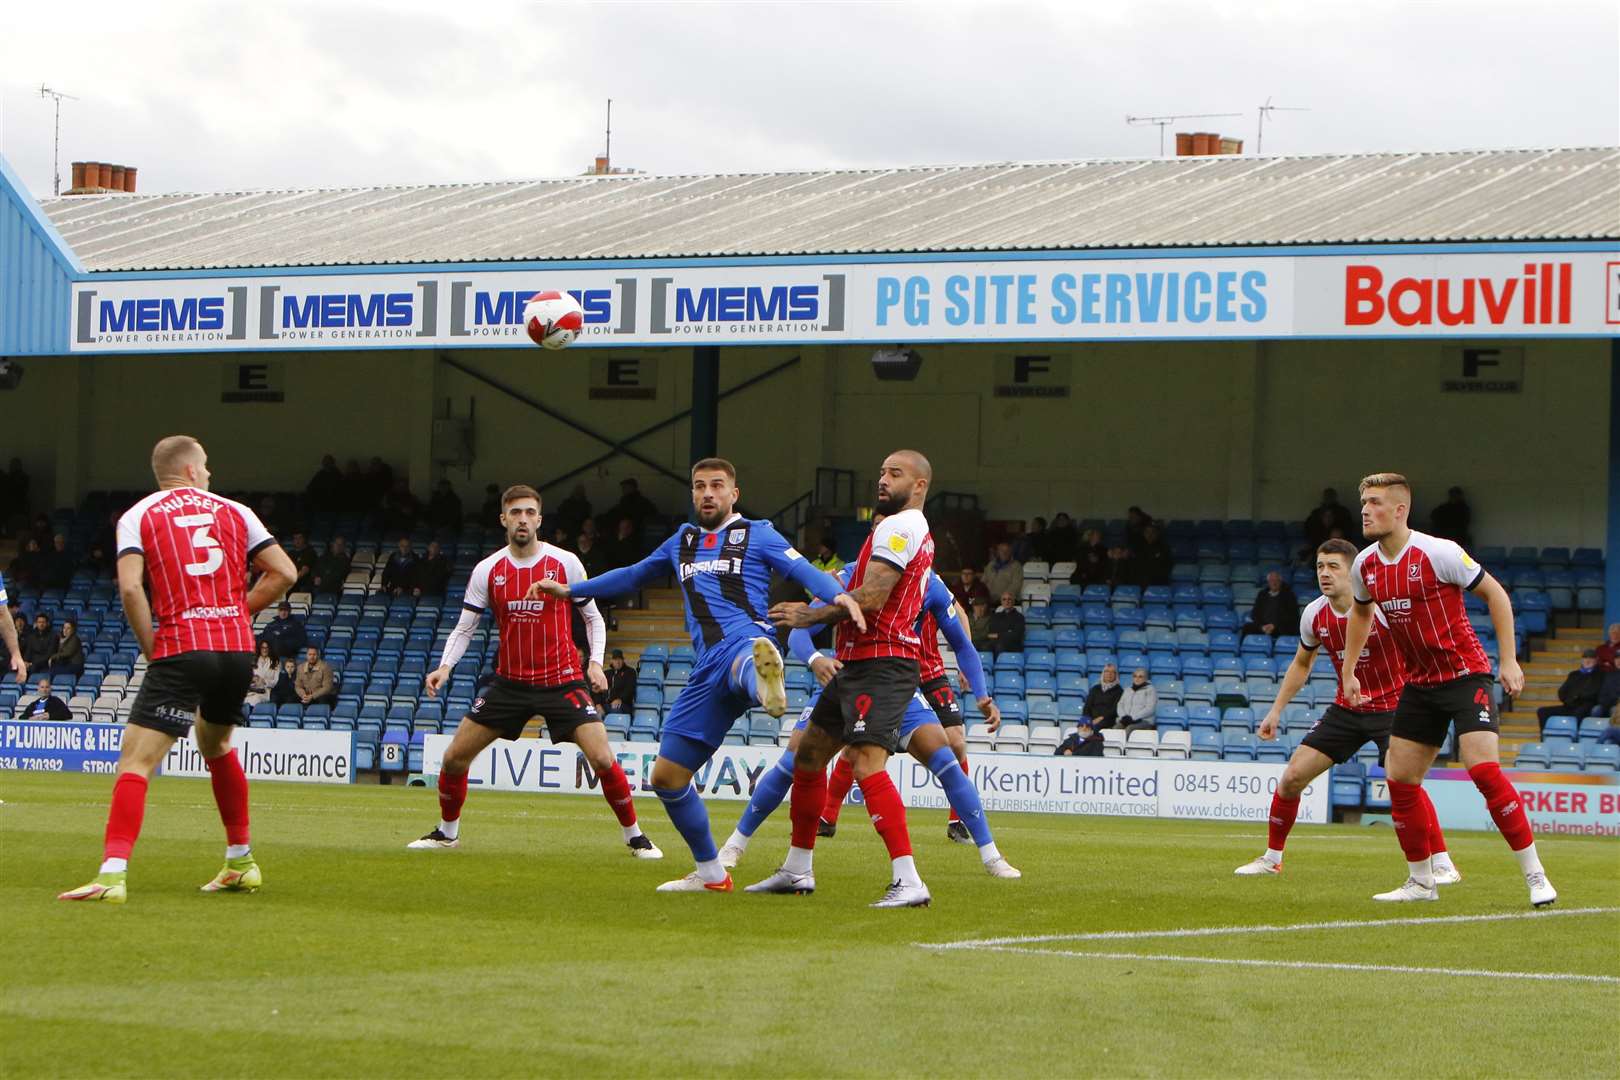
x,y
194,548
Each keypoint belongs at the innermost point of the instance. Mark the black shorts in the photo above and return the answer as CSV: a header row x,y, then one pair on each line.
x,y
943,700
1425,712
867,700
177,688
1342,732
507,707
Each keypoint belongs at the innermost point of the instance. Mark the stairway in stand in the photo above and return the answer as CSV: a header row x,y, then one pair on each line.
x,y
661,621
1543,675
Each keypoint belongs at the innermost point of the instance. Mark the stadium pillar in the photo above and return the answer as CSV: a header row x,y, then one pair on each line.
x,y
1611,539
1243,416
705,401
418,384
73,430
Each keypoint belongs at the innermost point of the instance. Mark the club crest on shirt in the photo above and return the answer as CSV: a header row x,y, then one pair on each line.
x,y
1413,572
551,575
737,536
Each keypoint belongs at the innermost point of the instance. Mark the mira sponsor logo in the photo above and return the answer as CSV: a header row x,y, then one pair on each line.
x,y
1539,296
1399,606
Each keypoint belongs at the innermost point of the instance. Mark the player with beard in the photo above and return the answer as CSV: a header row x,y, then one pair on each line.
x,y
1418,581
865,704
724,565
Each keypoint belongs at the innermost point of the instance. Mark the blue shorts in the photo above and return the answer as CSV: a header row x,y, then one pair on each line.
x,y
918,713
706,707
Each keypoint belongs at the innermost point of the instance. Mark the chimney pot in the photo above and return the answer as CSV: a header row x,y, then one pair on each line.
x,y
601,165
1231,146
1200,141
1184,144
129,179
78,174
92,174
113,178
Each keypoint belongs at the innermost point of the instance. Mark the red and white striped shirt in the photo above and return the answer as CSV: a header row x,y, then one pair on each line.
x,y
903,541
1379,670
537,640
1420,592
197,548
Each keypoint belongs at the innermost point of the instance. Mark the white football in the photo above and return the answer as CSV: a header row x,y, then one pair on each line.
x,y
554,319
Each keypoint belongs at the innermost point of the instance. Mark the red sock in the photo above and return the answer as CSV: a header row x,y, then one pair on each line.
x,y
230,795
1283,813
843,778
1411,820
969,775
1502,799
452,793
616,790
888,813
805,804
125,814
1437,839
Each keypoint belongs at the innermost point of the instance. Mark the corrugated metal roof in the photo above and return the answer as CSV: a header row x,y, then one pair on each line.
x,y
1570,194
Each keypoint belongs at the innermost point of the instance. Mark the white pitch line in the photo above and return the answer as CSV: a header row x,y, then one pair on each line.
x,y
1222,931
1478,973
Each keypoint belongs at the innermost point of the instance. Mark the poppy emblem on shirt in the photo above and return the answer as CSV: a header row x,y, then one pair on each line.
x,y
710,540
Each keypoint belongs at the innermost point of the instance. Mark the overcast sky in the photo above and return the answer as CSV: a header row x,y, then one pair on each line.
x,y
353,92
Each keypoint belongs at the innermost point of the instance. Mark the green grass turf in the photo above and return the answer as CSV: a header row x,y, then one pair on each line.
x,y
541,948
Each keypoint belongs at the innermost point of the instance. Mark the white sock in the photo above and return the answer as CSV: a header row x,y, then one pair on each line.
x,y
1273,856
114,866
737,840
1529,861
631,831
905,871
1422,872
711,870
236,851
988,853
798,860
1441,860
450,829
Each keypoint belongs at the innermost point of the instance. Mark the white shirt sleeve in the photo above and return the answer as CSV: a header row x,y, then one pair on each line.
x,y
1307,621
595,625
898,539
128,533
455,646
477,596
1451,563
1358,584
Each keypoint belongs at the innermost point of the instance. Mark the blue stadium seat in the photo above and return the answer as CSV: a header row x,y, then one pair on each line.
x,y
1532,756
1010,662
1042,711
1561,727
644,725
1349,783
1205,717
1206,745
1591,728
1039,684
1237,719
1605,758
1566,757
618,725
1172,718
1274,750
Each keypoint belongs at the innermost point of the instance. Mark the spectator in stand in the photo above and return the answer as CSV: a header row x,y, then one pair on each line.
x,y
827,560
490,512
1032,541
1338,517
1275,610
626,547
14,485
45,705
591,556
272,517
39,645
572,511
1452,519
1580,693
432,576
969,589
1007,626
1084,741
621,680
324,492
1063,540
355,494
400,509
1102,703
633,505
1092,540
1003,574
68,658
98,563
1320,527
379,480
979,623
1118,568
284,634
1608,653
315,683
1151,558
264,675
59,564
1091,569
332,568
444,507
1136,523
285,690
1138,704
27,570
399,572
304,557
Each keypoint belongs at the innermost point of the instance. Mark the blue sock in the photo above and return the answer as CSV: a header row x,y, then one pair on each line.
x,y
773,788
691,819
960,792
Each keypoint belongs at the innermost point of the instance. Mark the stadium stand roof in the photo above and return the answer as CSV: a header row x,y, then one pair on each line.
x,y
1463,196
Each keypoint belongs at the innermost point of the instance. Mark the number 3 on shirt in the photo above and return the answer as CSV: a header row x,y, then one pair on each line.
x,y
199,525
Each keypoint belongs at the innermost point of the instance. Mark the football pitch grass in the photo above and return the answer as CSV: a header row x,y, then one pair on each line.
x,y
540,948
